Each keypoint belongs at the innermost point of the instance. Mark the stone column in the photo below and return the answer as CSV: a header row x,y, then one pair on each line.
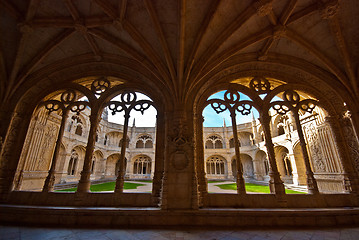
x,y
241,189
179,191
50,179
343,132
23,157
275,183
199,156
84,183
11,151
312,183
120,180
159,159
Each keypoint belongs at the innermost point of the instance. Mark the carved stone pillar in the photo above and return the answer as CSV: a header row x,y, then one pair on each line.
x,y
199,156
348,146
50,179
159,158
179,191
312,183
275,183
120,180
84,183
240,180
11,151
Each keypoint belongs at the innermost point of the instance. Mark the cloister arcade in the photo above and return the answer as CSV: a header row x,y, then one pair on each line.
x,y
289,66
220,148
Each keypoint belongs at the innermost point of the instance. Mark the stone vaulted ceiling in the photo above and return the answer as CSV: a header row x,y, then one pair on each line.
x,y
177,43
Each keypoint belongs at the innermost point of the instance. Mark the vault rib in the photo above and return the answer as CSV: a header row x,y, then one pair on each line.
x,y
162,38
202,30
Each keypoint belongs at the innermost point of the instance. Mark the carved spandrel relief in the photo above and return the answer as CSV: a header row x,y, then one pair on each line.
x,y
48,144
182,142
314,147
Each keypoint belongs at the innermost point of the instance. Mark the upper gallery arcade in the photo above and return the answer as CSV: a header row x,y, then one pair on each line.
x,y
292,62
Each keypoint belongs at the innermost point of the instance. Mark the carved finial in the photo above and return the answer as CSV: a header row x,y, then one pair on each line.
x,y
263,7
329,9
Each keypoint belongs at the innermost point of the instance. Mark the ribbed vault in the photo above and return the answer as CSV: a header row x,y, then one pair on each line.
x,y
177,43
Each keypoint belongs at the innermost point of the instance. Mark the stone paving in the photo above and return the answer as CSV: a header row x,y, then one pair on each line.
x,y
30,233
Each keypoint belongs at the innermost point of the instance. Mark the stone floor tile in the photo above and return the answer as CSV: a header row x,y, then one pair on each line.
x,y
14,233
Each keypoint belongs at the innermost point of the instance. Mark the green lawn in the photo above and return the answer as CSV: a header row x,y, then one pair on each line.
x,y
214,181
147,181
250,187
109,186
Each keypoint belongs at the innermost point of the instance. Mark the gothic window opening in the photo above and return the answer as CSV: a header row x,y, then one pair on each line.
x,y
144,141
76,121
72,163
214,142
235,106
215,165
130,104
78,130
280,130
142,165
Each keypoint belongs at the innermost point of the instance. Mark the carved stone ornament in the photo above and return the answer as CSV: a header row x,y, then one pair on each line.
x,y
315,149
179,160
264,7
100,85
329,9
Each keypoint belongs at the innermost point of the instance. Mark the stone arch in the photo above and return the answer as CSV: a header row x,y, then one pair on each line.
x,y
112,165
262,163
75,161
97,167
144,141
284,163
247,162
214,141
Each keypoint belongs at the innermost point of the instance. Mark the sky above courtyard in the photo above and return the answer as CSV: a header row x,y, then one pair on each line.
x,y
211,118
